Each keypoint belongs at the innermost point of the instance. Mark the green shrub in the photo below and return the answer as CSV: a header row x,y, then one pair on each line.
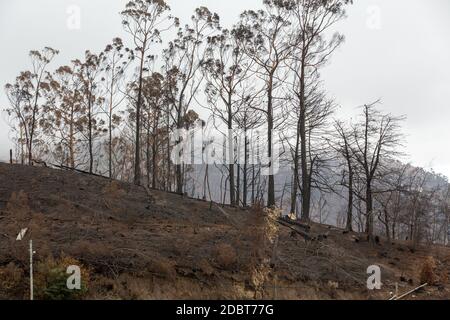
x,y
51,280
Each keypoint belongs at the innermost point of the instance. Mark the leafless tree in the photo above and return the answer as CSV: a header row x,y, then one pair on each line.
x,y
342,147
377,138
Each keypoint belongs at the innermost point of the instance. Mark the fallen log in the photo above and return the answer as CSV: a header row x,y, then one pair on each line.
x,y
409,292
296,222
78,170
305,235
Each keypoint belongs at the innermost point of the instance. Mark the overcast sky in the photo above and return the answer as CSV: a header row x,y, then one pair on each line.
x,y
395,50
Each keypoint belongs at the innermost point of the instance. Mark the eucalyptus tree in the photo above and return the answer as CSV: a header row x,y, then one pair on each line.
x,y
307,125
17,117
143,20
64,120
247,120
183,59
25,96
313,20
114,62
154,100
268,41
89,73
227,70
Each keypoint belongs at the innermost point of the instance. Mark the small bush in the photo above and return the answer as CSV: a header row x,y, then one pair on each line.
x,y
226,256
428,271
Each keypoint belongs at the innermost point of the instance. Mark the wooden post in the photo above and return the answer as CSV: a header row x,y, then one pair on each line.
x,y
10,156
31,270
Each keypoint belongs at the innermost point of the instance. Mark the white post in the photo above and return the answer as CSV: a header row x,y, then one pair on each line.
x,y
31,269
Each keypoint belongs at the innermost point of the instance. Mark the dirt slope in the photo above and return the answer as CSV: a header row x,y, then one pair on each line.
x,y
134,243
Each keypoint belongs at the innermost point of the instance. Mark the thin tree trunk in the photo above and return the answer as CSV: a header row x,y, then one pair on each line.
x,y
71,139
271,183
169,187
110,131
91,154
369,212
296,180
349,226
147,151
386,220
306,188
253,184
137,154
154,165
245,183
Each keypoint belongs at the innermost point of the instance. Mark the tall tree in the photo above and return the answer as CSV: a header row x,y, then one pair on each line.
x,y
247,120
65,113
25,95
183,60
377,138
154,98
115,59
227,71
313,20
143,19
268,42
342,146
89,72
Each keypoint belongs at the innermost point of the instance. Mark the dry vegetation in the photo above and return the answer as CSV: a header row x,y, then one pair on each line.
x,y
131,246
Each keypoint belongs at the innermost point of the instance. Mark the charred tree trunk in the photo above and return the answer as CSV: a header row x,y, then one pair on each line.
x,y
349,226
91,153
245,182
306,187
296,172
369,212
271,183
137,153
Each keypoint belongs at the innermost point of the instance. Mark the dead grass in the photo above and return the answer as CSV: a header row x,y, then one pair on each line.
x,y
13,283
205,267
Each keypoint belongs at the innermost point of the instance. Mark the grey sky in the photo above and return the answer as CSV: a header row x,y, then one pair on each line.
x,y
396,50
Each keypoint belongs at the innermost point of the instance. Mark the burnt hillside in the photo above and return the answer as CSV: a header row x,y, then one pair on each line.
x,y
136,243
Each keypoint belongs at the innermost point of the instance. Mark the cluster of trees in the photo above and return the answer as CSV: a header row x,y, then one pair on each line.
x,y
405,202
112,113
